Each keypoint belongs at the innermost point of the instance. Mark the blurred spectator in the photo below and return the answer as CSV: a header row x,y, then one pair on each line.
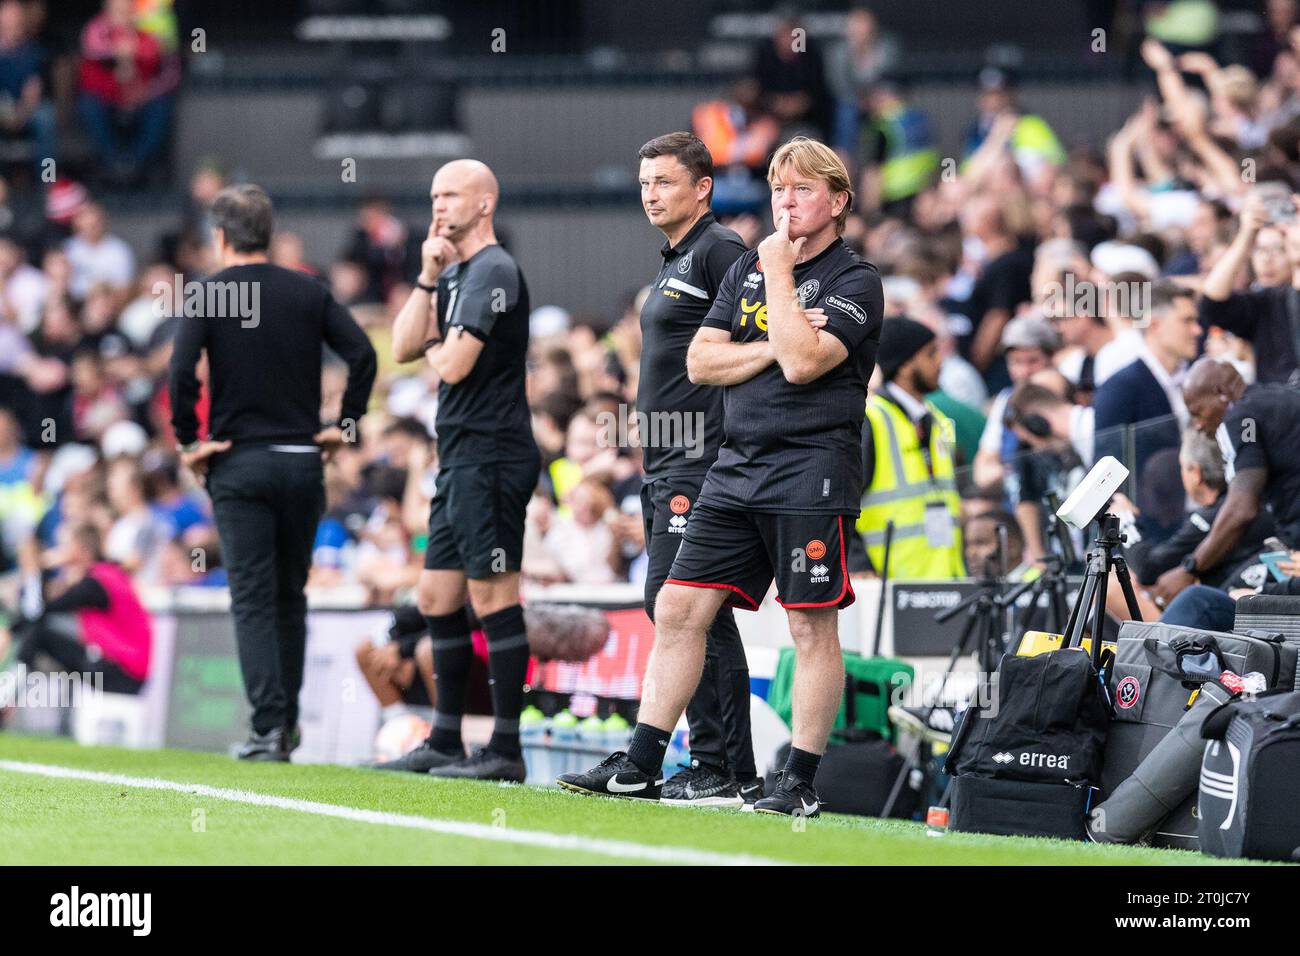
x,y
853,66
382,245
208,179
1002,125
135,540
1029,343
25,107
95,254
1266,317
792,79
981,544
1273,37
898,151
288,251
1003,282
1090,358
740,136
126,82
111,634
96,403
583,540
1150,391
1059,437
400,670
23,287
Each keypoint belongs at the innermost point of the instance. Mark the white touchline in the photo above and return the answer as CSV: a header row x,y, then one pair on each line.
x,y
473,831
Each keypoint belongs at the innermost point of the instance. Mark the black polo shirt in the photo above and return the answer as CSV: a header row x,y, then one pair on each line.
x,y
1263,429
795,449
484,419
679,299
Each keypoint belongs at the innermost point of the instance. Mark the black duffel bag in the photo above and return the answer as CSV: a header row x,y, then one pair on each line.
x,y
1025,761
1250,776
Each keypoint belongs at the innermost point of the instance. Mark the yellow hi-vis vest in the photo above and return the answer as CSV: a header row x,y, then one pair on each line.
x,y
900,489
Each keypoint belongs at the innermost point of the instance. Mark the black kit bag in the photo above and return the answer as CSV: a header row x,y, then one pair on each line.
x,y
1164,682
1250,779
1024,762
856,778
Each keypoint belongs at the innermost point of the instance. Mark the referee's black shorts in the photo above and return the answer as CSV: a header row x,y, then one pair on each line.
x,y
744,551
476,518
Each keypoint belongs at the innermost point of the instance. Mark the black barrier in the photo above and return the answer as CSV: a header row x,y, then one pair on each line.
x,y
915,604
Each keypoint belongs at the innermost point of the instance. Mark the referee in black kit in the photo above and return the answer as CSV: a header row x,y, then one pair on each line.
x,y
676,188
263,329
468,318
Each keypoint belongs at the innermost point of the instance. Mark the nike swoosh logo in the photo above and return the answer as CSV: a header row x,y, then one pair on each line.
x,y
613,786
808,810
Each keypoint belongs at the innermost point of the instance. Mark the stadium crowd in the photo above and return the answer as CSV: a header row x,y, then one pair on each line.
x,y
1067,287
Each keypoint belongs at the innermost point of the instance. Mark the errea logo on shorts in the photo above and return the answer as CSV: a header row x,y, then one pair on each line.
x,y
820,574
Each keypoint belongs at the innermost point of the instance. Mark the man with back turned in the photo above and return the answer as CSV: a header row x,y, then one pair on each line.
x,y
263,328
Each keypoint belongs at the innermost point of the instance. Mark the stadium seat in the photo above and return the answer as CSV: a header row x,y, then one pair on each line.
x,y
333,8
419,106
353,108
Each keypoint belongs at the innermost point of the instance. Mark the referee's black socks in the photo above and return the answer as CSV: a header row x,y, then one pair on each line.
x,y
507,641
453,651
647,749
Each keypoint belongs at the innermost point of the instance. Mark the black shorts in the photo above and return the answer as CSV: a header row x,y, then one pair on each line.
x,y
476,518
744,551
666,505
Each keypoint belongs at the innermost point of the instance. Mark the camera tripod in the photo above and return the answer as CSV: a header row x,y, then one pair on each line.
x,y
1090,604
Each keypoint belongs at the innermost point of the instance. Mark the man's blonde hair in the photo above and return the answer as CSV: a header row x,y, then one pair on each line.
x,y
814,160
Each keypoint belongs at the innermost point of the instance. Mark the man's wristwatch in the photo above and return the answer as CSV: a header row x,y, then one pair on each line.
x,y
426,288
1188,564
191,447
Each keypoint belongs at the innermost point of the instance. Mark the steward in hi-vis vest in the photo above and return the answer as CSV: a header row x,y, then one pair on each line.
x,y
907,451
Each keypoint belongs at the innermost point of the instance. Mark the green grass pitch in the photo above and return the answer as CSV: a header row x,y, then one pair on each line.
x,y
68,821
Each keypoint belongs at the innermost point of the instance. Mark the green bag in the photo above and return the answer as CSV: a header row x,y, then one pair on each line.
x,y
870,683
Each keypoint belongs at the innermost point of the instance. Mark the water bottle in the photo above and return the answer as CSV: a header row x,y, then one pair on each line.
x,y
617,733
564,737
591,741
533,726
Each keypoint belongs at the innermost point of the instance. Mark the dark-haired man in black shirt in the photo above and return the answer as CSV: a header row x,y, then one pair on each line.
x,y
788,476
468,317
263,329
681,442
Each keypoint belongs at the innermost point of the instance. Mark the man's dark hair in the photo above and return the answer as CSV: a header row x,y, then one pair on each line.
x,y
411,427
689,150
88,537
1032,399
1165,293
1004,519
245,215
